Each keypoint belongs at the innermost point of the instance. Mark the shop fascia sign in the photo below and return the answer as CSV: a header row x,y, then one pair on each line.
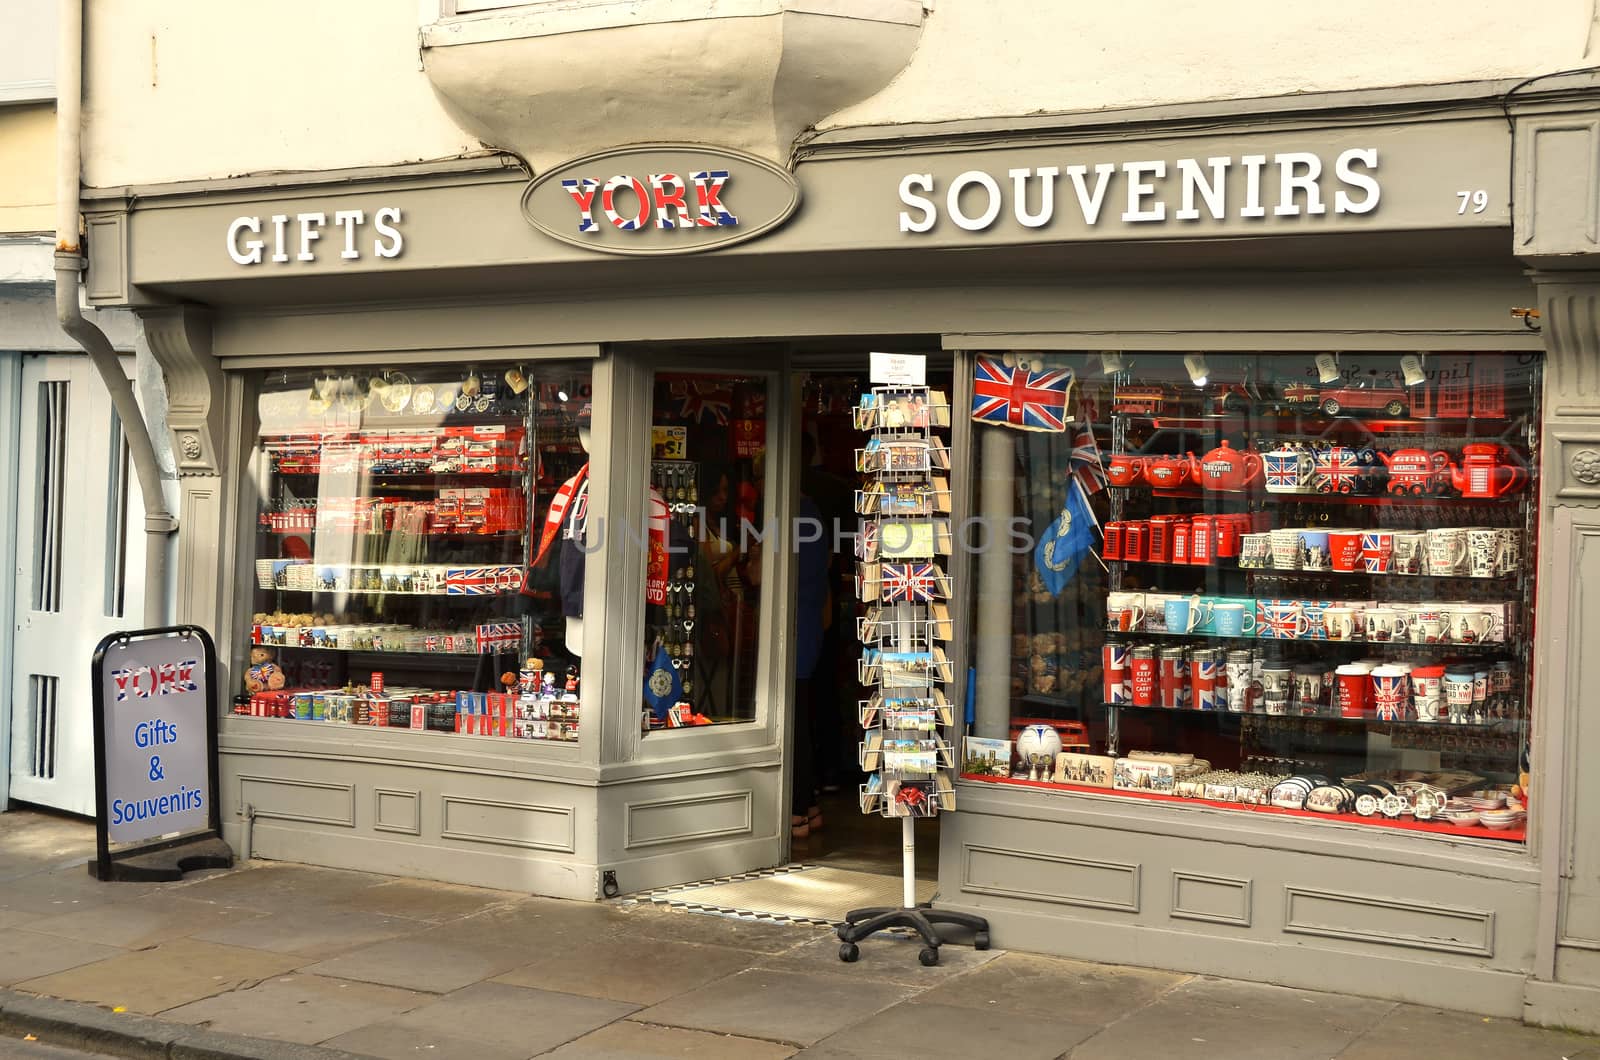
x,y
654,199
1149,192
298,238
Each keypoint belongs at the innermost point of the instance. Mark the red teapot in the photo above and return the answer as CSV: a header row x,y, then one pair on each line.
x,y
1164,472
1124,469
1415,470
1226,468
1484,472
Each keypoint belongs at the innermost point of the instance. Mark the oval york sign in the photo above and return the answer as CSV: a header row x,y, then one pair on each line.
x,y
660,199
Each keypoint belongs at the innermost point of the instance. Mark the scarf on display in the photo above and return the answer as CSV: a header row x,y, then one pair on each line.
x,y
572,489
571,500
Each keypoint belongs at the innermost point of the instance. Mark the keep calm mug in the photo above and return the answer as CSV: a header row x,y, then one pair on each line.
x,y
1185,615
1234,620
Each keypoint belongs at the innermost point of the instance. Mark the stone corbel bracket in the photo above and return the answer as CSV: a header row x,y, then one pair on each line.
x,y
180,339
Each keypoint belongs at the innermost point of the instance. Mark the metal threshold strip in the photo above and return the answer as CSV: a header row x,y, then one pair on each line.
x,y
801,894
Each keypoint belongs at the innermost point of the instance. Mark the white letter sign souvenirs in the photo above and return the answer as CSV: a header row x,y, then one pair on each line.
x,y
155,755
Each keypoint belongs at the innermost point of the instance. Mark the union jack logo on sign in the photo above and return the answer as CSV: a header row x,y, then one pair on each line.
x,y
909,582
1020,398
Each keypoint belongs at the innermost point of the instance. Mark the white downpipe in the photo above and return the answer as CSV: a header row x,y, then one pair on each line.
x,y
159,523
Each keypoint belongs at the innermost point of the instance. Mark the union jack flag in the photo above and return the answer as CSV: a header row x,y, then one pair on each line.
x,y
1084,461
1020,398
471,581
1337,470
699,401
909,582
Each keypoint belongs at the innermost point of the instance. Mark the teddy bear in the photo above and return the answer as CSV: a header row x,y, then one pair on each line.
x,y
264,674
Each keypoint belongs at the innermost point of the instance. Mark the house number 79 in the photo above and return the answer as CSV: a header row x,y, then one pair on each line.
x,y
1478,200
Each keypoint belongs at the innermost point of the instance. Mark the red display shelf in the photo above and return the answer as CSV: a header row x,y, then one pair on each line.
x,y
1400,500
1313,421
1515,835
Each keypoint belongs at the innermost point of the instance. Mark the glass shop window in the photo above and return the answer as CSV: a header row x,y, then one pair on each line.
x,y
1288,584
414,560
707,536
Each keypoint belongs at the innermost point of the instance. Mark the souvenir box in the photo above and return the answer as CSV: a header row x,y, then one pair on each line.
x,y
1092,770
1135,775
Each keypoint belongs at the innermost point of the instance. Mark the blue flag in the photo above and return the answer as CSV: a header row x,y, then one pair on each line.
x,y
662,689
1065,541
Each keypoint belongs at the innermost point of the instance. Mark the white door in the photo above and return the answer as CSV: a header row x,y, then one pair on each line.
x,y
77,578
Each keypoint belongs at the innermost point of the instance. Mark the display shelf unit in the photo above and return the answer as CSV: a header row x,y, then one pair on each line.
x,y
906,748
1486,425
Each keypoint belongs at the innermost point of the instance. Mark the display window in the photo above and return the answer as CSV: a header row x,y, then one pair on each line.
x,y
1288,584
708,527
419,550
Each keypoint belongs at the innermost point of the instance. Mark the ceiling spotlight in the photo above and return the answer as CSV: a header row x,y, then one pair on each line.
x,y
1327,367
561,395
1199,371
1110,361
1411,369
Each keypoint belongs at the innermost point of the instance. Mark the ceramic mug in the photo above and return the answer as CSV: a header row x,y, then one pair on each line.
x,y
1339,623
1286,549
1426,625
1468,625
1308,693
1483,552
1285,619
1354,689
1457,685
1377,551
1314,550
1239,679
1124,611
1447,550
1234,620
1510,551
1277,680
1155,612
1410,549
1385,625
1254,550
1185,615
1389,687
1344,549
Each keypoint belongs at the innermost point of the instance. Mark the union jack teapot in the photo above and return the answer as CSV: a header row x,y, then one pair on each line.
x,y
1345,469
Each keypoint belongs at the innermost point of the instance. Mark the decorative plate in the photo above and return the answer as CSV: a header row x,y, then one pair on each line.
x,y
422,399
397,394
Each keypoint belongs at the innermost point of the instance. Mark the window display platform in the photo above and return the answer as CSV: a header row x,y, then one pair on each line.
x,y
1517,834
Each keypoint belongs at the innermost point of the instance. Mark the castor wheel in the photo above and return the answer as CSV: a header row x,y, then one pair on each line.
x,y
849,952
929,956
980,941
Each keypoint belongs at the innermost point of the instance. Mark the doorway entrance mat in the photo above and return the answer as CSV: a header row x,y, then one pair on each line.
x,y
792,894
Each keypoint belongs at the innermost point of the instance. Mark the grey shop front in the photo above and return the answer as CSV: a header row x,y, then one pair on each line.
x,y
312,379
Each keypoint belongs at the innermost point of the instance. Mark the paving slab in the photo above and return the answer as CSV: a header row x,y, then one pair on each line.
x,y
27,955
513,1017
298,1008
140,922
659,922
426,900
532,924
409,1043
273,887
165,976
314,933
420,964
43,894
956,1032
884,958
1460,1036
1074,991
1242,1021
627,1040
791,1007
641,970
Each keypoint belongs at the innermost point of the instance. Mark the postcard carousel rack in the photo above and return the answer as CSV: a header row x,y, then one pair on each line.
x,y
904,504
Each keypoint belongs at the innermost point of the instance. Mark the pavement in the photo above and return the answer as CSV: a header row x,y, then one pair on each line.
x,y
276,960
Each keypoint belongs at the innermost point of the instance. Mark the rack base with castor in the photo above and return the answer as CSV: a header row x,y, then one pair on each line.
x,y
860,923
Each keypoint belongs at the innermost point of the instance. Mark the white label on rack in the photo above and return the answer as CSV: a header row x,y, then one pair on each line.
x,y
906,369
